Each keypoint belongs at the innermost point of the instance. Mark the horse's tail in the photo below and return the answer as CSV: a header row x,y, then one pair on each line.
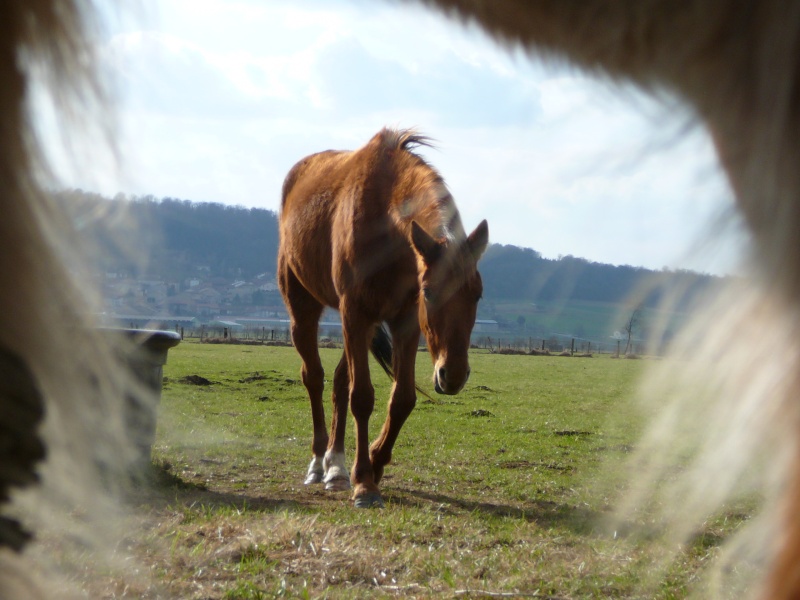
x,y
382,351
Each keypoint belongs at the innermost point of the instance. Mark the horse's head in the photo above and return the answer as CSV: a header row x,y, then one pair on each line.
x,y
450,287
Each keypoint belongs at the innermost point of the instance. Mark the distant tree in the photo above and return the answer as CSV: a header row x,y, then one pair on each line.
x,y
521,322
632,324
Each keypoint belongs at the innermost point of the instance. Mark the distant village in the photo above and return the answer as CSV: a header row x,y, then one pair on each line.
x,y
202,301
216,305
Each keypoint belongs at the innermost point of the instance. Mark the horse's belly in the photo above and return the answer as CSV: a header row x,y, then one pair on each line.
x,y
315,275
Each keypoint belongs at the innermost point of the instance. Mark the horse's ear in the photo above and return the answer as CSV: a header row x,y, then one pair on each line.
x,y
479,239
427,247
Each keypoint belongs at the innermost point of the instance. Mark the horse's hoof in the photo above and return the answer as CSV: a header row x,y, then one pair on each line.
x,y
369,500
316,471
339,484
313,478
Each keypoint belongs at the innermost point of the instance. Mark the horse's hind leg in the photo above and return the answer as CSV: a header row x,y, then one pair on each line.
x,y
305,312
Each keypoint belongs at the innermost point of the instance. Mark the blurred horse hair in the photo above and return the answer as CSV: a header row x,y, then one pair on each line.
x,y
63,382
733,407
732,397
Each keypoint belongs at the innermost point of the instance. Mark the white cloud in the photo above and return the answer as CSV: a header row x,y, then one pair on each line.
x,y
221,98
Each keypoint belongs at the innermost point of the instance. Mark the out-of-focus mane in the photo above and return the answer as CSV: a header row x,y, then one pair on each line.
x,y
61,417
731,397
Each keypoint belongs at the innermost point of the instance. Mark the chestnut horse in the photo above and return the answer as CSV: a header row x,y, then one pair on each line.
x,y
375,234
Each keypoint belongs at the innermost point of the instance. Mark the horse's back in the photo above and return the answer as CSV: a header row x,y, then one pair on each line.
x,y
314,171
339,230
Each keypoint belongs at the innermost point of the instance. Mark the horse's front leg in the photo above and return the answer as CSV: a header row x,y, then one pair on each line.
x,y
357,336
405,339
314,381
336,475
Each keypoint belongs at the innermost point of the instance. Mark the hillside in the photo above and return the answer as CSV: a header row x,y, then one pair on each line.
x,y
523,291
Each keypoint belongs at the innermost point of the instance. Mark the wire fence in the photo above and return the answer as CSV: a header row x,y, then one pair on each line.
x,y
556,344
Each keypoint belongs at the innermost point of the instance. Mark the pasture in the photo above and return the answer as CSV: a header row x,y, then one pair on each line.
x,y
504,490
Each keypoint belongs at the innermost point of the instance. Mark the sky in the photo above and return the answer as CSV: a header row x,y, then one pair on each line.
x,y
217,99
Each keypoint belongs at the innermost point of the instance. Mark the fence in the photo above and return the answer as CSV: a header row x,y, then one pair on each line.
x,y
554,344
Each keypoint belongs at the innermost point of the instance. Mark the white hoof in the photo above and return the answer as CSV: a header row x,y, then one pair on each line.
x,y
316,472
337,478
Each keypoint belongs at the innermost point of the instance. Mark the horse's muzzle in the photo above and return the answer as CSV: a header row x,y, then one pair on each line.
x,y
445,383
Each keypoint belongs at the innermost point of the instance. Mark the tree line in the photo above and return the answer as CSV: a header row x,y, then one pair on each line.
x,y
182,237
514,273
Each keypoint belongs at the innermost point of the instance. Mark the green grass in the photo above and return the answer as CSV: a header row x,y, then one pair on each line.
x,y
505,488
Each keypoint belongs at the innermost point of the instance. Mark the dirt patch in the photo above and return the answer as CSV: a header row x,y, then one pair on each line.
x,y
253,377
527,464
479,412
195,380
238,342
624,448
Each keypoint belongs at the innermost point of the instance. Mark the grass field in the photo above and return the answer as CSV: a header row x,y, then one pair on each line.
x,y
502,491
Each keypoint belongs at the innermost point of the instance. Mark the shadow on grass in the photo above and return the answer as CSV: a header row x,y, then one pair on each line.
x,y
544,513
161,488
166,489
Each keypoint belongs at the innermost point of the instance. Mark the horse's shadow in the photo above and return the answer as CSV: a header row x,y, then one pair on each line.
x,y
544,513
161,488
166,488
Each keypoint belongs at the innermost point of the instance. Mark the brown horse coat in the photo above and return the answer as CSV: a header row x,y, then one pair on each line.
x,y
375,234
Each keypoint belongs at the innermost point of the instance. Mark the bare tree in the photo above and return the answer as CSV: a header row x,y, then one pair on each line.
x,y
632,324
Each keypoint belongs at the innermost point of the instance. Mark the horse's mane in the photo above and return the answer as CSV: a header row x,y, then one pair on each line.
x,y
404,139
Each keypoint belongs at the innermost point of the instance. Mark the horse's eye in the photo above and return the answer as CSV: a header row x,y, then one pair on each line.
x,y
427,293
